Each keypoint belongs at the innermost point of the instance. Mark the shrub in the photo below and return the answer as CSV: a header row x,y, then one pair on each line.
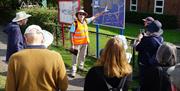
x,y
43,17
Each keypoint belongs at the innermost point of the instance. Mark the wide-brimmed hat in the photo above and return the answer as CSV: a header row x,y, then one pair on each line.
x,y
20,16
149,18
48,37
81,11
174,73
155,27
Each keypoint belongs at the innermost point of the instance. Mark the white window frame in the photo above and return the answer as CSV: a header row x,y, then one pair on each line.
x,y
133,5
162,7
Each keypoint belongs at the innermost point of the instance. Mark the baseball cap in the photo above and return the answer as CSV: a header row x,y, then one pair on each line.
x,y
148,19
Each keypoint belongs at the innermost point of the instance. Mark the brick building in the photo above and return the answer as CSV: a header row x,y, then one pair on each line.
x,y
168,7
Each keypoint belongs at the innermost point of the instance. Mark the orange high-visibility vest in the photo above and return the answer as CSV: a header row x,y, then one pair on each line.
x,y
80,36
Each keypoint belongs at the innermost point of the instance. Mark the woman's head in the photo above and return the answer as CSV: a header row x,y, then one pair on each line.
x,y
166,54
81,14
114,59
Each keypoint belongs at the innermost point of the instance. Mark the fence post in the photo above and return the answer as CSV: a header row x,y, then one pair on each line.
x,y
97,41
62,36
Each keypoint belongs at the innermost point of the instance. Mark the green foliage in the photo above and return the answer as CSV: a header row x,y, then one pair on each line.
x,y
168,21
42,16
6,16
5,3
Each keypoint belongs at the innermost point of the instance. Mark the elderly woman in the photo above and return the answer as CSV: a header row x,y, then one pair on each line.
x,y
111,68
156,78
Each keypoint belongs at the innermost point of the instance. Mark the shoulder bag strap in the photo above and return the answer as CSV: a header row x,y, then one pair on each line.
x,y
122,82
160,76
100,73
76,24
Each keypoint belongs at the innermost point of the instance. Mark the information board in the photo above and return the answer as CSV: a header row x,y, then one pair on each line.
x,y
67,10
115,17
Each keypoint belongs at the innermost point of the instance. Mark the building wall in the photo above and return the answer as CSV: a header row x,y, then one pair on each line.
x,y
145,6
127,5
171,7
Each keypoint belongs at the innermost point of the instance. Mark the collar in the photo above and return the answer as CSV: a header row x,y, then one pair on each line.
x,y
35,47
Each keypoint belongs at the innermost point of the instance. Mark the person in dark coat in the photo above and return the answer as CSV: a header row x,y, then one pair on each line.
x,y
147,45
156,78
15,40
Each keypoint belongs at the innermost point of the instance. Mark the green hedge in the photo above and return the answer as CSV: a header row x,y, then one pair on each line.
x,y
168,21
43,17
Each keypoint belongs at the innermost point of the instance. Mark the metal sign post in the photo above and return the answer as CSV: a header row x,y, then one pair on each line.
x,y
97,41
66,12
115,17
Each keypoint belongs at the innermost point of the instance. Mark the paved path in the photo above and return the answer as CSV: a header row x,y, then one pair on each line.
x,y
75,84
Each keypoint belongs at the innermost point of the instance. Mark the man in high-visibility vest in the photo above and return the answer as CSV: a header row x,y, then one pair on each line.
x,y
80,38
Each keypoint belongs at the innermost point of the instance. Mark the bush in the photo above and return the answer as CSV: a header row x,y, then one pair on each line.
x,y
6,15
168,21
43,17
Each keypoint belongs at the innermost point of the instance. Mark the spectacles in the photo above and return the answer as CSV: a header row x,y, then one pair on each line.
x,y
81,14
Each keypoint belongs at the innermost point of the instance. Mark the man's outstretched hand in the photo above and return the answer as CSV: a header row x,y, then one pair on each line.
x,y
106,9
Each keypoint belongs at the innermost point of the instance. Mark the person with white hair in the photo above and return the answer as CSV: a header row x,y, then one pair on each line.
x,y
156,78
15,40
124,40
36,68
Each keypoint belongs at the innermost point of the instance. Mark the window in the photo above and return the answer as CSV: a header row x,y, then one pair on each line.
x,y
133,5
158,6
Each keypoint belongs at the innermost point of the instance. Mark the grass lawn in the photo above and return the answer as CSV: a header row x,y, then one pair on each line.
x,y
131,30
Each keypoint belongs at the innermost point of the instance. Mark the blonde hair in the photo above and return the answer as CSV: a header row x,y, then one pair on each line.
x,y
114,60
166,54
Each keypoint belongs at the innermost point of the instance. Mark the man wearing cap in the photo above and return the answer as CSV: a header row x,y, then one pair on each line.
x,y
15,39
148,20
80,38
36,68
147,45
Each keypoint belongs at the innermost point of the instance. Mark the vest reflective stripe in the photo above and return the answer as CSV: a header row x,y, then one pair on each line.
x,y
80,32
80,35
76,37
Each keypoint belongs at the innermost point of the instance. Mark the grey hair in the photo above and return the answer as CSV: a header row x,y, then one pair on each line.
x,y
166,54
